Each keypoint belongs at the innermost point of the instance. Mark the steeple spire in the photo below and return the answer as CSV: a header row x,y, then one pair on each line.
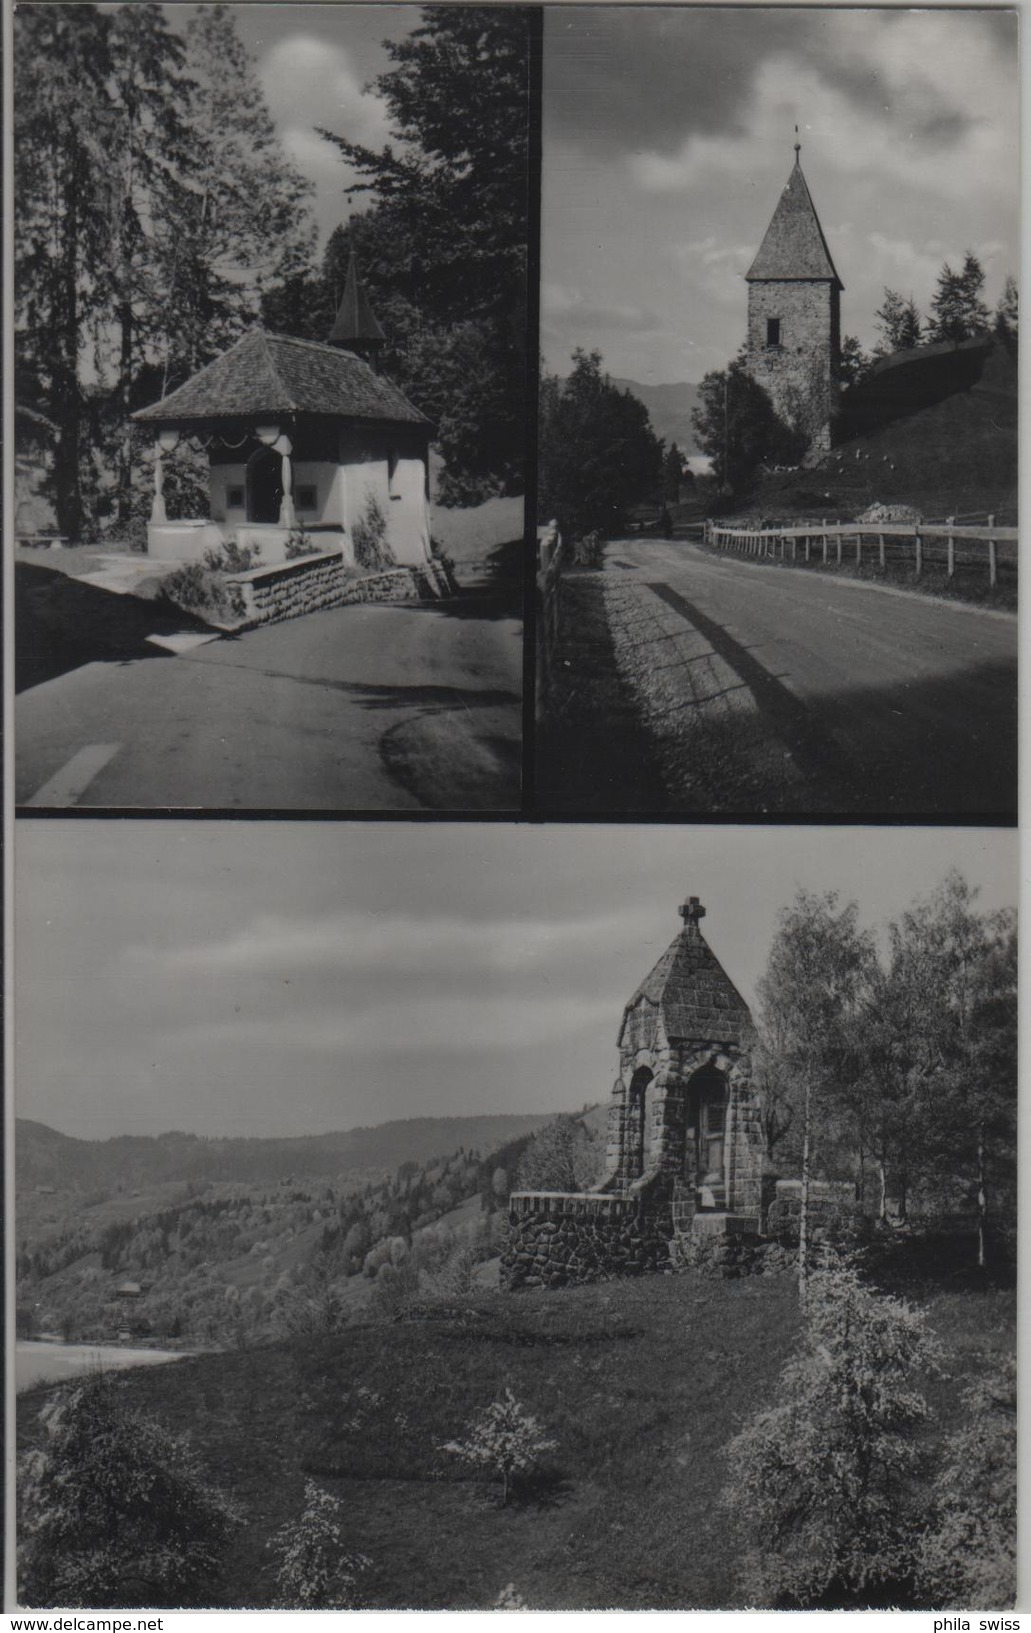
x,y
355,328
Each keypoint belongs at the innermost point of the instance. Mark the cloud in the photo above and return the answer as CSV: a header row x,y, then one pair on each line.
x,y
389,946
311,83
572,305
423,1027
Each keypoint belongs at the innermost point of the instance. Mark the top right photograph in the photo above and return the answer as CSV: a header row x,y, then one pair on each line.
x,y
778,446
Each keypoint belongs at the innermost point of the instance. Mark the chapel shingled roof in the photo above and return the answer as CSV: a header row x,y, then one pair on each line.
x,y
692,992
268,375
794,246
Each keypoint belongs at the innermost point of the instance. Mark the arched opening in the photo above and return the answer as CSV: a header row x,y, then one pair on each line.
x,y
705,1134
264,485
640,1102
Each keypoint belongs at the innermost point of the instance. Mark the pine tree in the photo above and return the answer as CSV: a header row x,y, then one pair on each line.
x,y
1007,316
958,311
899,323
62,198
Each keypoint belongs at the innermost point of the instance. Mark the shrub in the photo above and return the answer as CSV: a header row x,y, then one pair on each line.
x,y
202,590
115,1509
968,1554
369,534
314,1573
233,557
504,1438
827,1480
298,543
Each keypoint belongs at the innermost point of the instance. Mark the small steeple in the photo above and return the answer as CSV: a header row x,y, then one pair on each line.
x,y
355,329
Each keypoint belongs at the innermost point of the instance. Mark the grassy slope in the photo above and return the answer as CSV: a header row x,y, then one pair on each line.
x,y
640,1383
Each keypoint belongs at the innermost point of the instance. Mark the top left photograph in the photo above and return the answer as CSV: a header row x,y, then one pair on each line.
x,y
270,405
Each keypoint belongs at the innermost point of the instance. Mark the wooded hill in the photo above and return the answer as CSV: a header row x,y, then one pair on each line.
x,y
46,1157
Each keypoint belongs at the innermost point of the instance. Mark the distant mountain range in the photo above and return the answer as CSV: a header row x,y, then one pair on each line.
x,y
669,408
43,1156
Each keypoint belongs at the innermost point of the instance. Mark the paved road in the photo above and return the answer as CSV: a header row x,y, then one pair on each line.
x,y
363,708
883,702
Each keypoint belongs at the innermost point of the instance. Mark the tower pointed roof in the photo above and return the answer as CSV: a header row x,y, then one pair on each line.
x,y
355,324
690,992
794,247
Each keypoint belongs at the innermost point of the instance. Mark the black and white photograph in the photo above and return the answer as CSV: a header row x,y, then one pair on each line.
x,y
270,344
440,1216
778,417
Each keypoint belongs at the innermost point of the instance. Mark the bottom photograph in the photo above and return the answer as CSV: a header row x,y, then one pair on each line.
x,y
478,1217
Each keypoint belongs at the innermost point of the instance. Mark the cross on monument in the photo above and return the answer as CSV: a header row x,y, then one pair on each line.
x,y
691,911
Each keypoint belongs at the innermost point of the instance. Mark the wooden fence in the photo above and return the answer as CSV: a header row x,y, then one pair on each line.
x,y
551,554
827,539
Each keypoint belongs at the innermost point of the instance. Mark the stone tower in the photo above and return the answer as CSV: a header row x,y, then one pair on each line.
x,y
683,1123
794,318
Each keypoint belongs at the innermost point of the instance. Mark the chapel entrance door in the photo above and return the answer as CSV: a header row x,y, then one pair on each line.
x,y
264,486
705,1136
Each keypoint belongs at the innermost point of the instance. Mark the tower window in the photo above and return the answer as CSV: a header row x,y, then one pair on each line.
x,y
773,331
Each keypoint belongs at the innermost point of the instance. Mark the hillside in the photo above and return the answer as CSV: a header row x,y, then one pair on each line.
x,y
957,456
641,1385
43,1156
669,409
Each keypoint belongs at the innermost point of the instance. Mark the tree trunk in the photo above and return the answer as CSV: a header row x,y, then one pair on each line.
x,y
66,396
882,1205
982,1200
803,1218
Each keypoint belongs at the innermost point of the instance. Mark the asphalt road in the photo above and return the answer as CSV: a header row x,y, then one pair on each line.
x,y
883,701
407,707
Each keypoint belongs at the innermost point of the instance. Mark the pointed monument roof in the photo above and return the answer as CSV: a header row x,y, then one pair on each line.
x,y
794,246
355,320
690,991
267,375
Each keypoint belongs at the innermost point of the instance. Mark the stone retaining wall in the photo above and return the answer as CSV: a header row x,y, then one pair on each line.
x,y
557,1238
310,583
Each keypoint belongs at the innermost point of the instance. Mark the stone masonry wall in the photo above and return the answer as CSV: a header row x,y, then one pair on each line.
x,y
799,374
557,1238
290,589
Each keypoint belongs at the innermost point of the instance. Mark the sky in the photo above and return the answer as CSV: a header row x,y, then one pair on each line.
x,y
258,978
668,136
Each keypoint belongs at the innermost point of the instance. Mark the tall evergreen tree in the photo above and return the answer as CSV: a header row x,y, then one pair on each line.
x,y
958,311
899,323
1007,316
62,196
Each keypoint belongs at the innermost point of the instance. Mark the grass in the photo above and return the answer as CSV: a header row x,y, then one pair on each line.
x,y
640,1383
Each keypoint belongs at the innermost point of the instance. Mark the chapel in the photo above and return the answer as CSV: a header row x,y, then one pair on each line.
x,y
303,438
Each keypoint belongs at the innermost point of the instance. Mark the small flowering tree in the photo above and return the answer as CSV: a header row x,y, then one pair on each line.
x,y
314,1572
115,1509
828,1480
504,1438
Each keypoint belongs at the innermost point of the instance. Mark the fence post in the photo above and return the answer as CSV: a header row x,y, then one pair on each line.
x,y
859,548
993,556
950,546
880,549
808,545
919,552
824,541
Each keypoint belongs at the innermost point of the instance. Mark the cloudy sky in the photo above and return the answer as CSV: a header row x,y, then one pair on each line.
x,y
668,135
263,978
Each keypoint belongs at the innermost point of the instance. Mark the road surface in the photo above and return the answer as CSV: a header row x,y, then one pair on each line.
x,y
764,689
405,707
